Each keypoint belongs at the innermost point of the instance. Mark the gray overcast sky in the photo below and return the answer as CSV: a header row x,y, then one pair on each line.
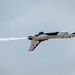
x,y
20,18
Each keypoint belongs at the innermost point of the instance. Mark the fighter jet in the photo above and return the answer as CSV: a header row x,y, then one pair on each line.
x,y
38,38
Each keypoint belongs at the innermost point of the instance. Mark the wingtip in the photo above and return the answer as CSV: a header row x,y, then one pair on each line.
x,y
30,50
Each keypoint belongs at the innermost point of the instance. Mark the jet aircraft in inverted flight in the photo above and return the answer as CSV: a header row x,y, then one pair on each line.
x,y
38,38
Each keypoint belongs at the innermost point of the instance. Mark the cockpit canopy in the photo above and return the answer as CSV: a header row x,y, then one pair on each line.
x,y
62,33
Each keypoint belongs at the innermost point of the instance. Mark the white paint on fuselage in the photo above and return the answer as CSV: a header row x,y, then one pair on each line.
x,y
63,33
42,35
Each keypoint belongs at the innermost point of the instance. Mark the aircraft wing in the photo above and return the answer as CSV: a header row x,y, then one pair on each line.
x,y
33,45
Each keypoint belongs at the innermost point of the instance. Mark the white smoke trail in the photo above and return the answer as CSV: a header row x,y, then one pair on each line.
x,y
11,39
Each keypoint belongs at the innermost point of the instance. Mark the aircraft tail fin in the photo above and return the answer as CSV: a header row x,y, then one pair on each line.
x,y
34,44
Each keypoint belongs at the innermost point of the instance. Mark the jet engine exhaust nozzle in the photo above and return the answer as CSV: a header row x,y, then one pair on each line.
x,y
30,37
